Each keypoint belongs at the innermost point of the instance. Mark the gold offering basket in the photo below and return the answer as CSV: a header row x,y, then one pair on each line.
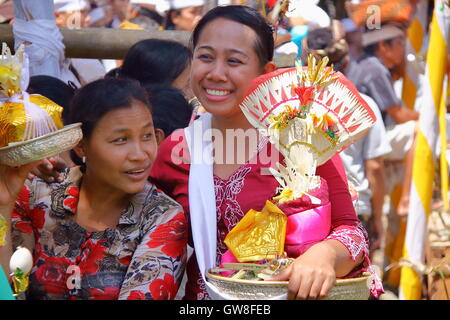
x,y
240,289
17,154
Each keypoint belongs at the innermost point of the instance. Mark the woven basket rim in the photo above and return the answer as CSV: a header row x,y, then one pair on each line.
x,y
44,137
339,282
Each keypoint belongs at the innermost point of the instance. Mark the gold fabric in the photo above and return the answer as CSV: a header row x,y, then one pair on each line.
x,y
20,282
3,230
259,235
13,119
9,80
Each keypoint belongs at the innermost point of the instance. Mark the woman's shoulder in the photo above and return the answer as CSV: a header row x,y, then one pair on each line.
x,y
172,161
155,203
39,188
158,197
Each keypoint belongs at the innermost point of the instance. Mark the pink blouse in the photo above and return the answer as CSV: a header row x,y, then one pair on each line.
x,y
248,189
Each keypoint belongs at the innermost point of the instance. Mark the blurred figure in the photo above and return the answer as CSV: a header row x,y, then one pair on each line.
x,y
159,7
78,71
184,14
6,11
121,10
363,160
147,18
372,74
170,110
100,16
72,14
353,36
286,51
304,16
161,62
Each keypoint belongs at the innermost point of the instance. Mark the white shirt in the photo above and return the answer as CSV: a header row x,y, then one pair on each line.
x,y
373,145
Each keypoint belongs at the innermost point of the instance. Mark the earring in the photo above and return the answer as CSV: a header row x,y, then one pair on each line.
x,y
83,159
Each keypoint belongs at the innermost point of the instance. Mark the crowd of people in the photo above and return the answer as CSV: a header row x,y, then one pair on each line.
x,y
123,207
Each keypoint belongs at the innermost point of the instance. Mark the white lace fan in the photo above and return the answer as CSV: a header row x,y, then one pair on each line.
x,y
310,114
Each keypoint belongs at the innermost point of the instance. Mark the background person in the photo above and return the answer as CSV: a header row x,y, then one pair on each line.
x,y
183,15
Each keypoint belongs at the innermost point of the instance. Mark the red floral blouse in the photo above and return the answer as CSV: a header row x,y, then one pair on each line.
x,y
142,258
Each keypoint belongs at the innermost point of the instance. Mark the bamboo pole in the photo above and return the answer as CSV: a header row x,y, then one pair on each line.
x,y
102,43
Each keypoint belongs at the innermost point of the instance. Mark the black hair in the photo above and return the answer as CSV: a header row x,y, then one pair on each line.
x,y
155,16
168,23
371,49
321,39
53,89
113,73
264,46
171,110
155,61
96,99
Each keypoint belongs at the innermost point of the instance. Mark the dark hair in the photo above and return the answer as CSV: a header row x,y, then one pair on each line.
x,y
323,39
320,38
250,17
155,16
371,49
155,61
53,89
99,97
113,73
168,23
171,110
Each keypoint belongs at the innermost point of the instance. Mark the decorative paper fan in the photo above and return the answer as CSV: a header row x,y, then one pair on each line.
x,y
310,114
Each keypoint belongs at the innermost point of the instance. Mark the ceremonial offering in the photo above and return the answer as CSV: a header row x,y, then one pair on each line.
x,y
248,288
31,127
20,264
309,114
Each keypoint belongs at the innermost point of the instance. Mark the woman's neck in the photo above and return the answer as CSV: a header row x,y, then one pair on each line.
x,y
239,142
99,207
239,121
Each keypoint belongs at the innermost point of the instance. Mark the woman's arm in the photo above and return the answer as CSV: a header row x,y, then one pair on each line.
x,y
11,184
312,275
158,264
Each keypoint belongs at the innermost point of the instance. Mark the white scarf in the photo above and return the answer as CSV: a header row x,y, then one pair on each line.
x,y
202,199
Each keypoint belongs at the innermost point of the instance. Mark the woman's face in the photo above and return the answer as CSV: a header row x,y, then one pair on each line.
x,y
188,18
182,82
224,65
121,8
121,149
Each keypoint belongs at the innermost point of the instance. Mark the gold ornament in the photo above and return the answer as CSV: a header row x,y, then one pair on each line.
x,y
259,235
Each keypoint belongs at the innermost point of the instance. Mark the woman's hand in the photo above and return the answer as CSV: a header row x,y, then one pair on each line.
x,y
49,170
11,183
378,232
312,275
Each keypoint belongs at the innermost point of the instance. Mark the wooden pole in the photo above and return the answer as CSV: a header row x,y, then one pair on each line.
x,y
102,43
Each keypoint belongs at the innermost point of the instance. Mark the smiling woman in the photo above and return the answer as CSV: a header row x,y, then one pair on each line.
x,y
104,227
233,45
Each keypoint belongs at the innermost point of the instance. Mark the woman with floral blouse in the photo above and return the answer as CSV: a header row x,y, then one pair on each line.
x,y
103,232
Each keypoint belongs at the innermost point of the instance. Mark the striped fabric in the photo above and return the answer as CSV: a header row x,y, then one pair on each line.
x,y
414,45
425,153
